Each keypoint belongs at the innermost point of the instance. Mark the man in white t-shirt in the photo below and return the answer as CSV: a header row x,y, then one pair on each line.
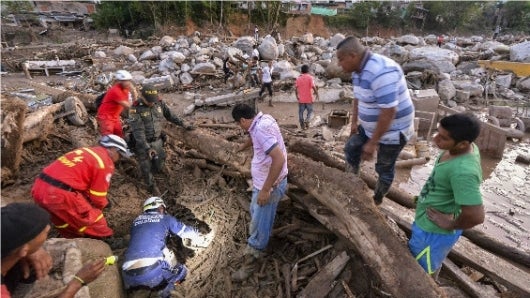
x,y
266,80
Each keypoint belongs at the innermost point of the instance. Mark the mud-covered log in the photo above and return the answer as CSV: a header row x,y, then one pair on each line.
x,y
216,149
35,118
313,151
347,198
13,115
367,230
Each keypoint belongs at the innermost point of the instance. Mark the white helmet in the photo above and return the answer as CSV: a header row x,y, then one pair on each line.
x,y
109,141
153,203
123,75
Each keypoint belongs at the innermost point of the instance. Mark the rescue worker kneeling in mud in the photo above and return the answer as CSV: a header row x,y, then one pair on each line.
x,y
147,261
146,121
73,188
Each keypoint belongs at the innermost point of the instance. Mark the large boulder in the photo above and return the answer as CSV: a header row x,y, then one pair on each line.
x,y
333,70
148,55
523,84
474,88
433,54
520,52
123,51
421,66
245,44
408,39
446,90
268,49
307,38
205,67
166,66
167,42
181,42
185,78
336,39
396,52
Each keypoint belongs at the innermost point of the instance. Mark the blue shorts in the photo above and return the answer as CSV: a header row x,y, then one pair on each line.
x,y
430,249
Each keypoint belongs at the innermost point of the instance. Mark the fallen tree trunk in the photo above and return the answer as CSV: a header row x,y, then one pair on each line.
x,y
403,198
313,151
346,197
398,273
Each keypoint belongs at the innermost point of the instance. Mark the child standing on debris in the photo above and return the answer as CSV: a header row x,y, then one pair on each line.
x,y
266,80
450,201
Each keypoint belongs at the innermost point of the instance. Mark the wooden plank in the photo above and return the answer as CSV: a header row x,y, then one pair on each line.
x,y
470,254
465,283
321,283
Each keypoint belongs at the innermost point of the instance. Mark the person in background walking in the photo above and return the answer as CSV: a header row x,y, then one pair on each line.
x,y
383,107
305,89
256,33
450,201
266,81
440,40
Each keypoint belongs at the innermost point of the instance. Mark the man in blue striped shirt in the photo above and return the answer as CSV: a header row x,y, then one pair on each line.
x,y
382,111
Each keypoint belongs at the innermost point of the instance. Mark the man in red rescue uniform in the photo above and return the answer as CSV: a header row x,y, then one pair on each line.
x,y
73,188
116,99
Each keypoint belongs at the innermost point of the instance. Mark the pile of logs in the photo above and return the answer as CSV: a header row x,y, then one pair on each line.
x,y
342,203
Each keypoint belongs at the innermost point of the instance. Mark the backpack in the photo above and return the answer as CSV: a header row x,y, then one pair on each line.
x,y
99,100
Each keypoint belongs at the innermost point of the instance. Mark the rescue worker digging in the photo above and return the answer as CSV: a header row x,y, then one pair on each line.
x,y
146,121
148,262
73,189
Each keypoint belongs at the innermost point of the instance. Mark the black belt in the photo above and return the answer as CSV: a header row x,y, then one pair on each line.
x,y
141,270
52,181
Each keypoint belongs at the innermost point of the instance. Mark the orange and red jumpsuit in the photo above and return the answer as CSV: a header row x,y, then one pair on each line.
x,y
73,189
108,114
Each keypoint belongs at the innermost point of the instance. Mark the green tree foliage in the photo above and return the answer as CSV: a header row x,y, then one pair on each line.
x,y
516,15
16,7
451,15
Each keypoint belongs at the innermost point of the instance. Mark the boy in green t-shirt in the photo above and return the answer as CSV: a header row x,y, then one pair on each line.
x,y
450,200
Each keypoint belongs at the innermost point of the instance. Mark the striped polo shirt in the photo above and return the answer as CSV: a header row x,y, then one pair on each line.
x,y
381,84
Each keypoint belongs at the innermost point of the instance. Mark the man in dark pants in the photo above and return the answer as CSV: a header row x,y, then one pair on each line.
x,y
146,118
382,111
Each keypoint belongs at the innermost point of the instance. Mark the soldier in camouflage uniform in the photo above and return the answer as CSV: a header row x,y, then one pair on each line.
x,y
146,117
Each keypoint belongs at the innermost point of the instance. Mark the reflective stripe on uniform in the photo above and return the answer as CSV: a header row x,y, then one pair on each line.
x,y
62,226
100,161
427,252
82,229
98,193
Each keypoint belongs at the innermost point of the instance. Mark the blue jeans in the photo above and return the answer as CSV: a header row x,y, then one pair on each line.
x,y
386,159
301,108
160,274
262,217
431,249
